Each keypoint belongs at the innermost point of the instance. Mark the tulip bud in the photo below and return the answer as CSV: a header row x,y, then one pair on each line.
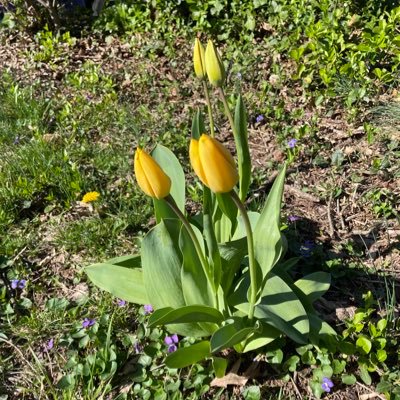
x,y
213,164
150,177
198,60
214,66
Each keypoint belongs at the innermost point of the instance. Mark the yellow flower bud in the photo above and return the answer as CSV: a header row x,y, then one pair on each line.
x,y
149,175
213,164
198,60
214,66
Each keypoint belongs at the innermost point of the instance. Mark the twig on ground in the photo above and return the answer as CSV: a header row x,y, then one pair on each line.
x,y
299,193
340,214
331,227
371,393
295,386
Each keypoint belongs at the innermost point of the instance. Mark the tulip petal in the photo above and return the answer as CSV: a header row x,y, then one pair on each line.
x,y
141,176
218,165
198,59
214,65
150,177
195,160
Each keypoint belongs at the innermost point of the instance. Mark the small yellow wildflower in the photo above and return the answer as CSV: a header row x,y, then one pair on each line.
x,y
90,196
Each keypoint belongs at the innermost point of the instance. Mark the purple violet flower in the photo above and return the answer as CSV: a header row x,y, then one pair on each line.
x,y
293,218
175,338
327,385
137,347
18,283
121,303
50,344
148,309
260,118
16,140
87,322
22,283
292,143
172,348
171,342
307,248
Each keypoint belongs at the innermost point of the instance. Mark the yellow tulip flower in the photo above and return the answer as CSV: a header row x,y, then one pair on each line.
x,y
214,66
213,164
149,175
198,60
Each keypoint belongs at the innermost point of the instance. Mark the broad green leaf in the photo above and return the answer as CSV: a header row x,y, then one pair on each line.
x,y
314,285
316,388
338,366
308,358
364,374
287,264
67,382
194,313
364,344
321,331
222,226
196,287
267,235
381,355
252,393
291,363
240,231
186,356
261,338
219,364
230,334
274,356
122,282
347,348
232,254
198,127
381,325
228,207
385,386
242,147
161,264
171,166
130,261
349,379
279,306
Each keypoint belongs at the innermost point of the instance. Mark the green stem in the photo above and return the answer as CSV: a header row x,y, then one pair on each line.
x,y
204,263
228,112
210,116
250,246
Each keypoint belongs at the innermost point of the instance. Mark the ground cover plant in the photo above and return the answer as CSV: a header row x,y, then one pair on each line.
x,y
319,81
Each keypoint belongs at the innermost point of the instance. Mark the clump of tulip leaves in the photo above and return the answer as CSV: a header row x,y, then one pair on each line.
x,y
220,275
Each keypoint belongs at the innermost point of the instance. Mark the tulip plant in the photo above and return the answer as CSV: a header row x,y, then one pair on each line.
x,y
219,276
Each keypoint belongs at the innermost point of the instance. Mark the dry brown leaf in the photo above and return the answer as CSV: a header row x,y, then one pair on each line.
x,y
79,291
343,313
368,396
229,379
